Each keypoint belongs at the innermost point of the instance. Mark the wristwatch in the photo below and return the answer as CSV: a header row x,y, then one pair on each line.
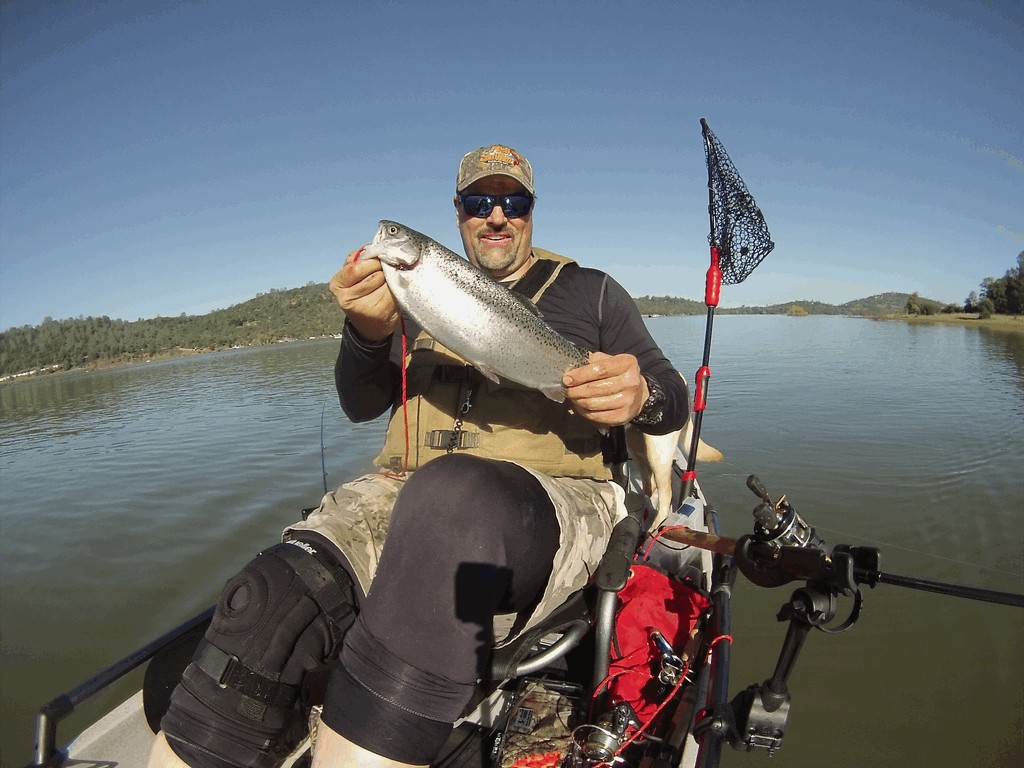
x,y
654,407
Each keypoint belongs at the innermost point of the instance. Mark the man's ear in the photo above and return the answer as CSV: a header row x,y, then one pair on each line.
x,y
455,202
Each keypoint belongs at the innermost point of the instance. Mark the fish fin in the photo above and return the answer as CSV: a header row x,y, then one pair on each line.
x,y
554,393
487,373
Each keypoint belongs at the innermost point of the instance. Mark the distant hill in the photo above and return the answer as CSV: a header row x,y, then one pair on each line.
x,y
882,304
281,315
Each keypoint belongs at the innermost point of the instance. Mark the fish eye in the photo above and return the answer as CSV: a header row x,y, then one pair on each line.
x,y
392,230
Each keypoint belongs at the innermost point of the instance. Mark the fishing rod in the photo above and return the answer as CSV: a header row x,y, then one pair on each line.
x,y
784,548
323,452
739,241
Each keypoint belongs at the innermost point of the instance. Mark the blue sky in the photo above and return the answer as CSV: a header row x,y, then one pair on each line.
x,y
167,157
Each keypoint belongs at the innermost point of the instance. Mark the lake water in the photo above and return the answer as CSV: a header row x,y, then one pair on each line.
x,y
130,495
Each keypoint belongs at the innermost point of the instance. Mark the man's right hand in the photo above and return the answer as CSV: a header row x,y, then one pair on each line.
x,y
361,292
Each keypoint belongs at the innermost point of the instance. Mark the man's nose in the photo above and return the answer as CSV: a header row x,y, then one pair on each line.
x,y
497,217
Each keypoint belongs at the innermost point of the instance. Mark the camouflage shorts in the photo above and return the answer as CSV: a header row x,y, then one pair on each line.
x,y
355,517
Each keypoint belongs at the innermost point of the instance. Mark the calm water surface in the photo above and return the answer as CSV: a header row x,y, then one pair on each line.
x,y
129,496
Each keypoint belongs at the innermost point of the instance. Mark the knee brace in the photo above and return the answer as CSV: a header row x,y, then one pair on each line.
x,y
240,700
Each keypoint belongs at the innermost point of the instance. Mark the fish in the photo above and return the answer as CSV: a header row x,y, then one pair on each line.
x,y
498,332
504,336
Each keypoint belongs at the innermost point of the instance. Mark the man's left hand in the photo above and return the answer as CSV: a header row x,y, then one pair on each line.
x,y
608,390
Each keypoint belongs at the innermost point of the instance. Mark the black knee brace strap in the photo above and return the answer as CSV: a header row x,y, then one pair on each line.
x,y
239,702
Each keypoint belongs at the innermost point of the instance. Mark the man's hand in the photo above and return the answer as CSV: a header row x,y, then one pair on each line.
x,y
608,390
361,292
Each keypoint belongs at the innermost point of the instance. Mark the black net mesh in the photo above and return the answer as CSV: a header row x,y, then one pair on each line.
x,y
738,227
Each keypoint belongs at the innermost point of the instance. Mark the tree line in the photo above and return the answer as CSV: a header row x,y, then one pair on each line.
x,y
311,312
297,313
999,296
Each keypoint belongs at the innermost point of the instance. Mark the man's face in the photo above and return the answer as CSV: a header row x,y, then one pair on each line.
x,y
499,245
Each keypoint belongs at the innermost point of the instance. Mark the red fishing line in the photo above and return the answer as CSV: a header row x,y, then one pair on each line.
x,y
405,391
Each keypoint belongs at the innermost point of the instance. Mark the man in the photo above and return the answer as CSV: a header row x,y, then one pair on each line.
x,y
499,508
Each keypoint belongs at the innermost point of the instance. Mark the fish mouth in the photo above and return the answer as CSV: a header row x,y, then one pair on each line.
x,y
391,259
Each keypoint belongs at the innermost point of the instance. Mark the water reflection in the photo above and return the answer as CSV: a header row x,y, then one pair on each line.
x,y
153,483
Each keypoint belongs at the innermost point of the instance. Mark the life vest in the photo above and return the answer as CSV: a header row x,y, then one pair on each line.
x,y
502,421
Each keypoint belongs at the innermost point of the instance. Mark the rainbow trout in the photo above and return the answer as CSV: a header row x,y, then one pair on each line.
x,y
499,333
503,336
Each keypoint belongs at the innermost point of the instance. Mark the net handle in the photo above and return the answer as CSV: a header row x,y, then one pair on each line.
x,y
712,294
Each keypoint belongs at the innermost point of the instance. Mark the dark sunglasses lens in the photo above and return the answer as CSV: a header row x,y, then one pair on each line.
x,y
481,206
478,205
516,205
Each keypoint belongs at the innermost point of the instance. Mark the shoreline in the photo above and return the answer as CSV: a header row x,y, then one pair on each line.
x,y
1004,323
1000,323
180,352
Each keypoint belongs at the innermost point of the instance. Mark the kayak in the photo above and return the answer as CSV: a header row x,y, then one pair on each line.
x,y
505,722
551,699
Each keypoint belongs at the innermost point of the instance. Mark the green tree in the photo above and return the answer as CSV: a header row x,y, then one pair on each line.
x,y
916,305
1015,287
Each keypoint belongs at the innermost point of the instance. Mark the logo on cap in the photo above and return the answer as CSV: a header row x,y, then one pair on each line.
x,y
500,155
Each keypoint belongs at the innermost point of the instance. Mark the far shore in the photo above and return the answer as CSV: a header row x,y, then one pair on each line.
x,y
1006,323
103,365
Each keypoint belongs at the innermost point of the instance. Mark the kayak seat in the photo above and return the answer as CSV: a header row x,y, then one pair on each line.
x,y
547,643
592,607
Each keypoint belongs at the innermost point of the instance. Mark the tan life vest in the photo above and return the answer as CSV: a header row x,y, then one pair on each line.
x,y
503,421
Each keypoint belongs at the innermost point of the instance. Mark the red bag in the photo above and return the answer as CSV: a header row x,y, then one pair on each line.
x,y
650,601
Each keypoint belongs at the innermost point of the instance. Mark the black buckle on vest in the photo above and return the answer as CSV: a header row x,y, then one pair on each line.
x,y
440,439
457,374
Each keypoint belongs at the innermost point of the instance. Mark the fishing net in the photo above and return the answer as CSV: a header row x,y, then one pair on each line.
x,y
738,228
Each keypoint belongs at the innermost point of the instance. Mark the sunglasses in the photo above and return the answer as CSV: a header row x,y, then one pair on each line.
x,y
480,206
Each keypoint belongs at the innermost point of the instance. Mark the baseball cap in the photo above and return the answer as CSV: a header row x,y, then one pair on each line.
x,y
496,159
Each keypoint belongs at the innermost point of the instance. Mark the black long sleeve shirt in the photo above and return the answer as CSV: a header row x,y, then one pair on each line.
x,y
585,305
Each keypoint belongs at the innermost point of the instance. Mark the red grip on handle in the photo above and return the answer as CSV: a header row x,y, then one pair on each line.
x,y
713,280
700,395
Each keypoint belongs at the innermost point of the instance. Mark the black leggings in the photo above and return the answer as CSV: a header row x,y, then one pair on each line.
x,y
468,538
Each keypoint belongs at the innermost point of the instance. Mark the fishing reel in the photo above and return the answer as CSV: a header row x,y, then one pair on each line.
x,y
785,548
778,523
599,742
